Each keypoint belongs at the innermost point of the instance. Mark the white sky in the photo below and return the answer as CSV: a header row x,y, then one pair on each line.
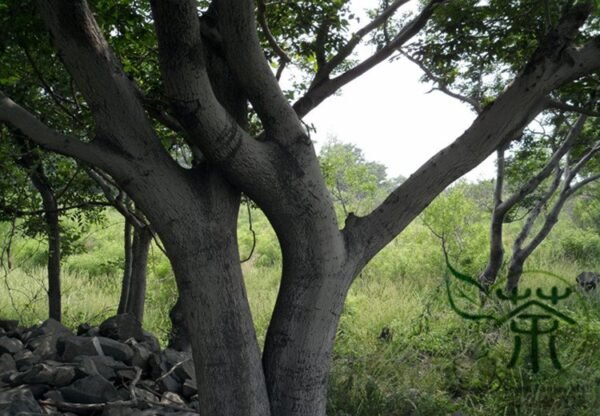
x,y
389,115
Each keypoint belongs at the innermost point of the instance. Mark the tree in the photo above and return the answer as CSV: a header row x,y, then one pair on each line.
x,y
355,184
565,174
210,66
53,192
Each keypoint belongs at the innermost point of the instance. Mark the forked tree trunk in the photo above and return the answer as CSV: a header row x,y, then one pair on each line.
x,y
199,235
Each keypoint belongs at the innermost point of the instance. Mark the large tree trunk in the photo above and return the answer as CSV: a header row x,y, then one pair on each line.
x,y
199,235
301,335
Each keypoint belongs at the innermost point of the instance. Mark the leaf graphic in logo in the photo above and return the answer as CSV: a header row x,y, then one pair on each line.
x,y
460,283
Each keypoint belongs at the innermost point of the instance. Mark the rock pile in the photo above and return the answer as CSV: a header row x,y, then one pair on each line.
x,y
116,369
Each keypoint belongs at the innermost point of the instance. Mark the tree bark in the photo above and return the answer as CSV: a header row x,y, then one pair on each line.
x,y
199,235
142,238
51,218
126,283
488,277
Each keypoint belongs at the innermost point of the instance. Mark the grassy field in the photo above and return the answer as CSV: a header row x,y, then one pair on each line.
x,y
429,361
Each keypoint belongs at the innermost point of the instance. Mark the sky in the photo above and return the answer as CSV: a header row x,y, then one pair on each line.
x,y
389,114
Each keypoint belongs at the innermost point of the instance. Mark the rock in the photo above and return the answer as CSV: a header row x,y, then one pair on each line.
x,y
119,411
151,342
169,383
10,345
189,388
19,401
169,397
7,363
100,365
122,327
44,373
182,361
54,395
141,355
43,340
83,329
9,325
117,350
25,359
38,390
71,347
90,389
588,281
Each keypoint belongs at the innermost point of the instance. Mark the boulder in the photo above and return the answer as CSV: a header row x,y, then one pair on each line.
x,y
7,363
71,347
10,345
116,349
19,401
43,340
588,281
99,365
9,325
57,375
25,359
122,327
90,389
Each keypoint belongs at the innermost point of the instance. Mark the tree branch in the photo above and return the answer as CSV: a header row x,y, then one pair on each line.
x,y
18,117
509,114
119,116
344,52
284,59
247,61
534,182
559,105
319,92
441,86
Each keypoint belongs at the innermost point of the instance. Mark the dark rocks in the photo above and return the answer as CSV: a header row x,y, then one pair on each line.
x,y
48,370
7,363
90,389
588,281
8,325
19,401
42,340
10,345
122,327
73,346
56,375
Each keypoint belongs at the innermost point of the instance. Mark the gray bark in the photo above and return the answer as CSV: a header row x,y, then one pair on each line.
x,y
54,253
142,239
127,251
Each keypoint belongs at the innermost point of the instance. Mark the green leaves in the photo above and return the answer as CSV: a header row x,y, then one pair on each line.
x,y
354,183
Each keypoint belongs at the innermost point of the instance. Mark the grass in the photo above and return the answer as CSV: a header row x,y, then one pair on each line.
x,y
432,362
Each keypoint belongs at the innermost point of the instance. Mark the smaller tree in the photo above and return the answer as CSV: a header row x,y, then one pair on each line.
x,y
43,190
569,169
355,184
